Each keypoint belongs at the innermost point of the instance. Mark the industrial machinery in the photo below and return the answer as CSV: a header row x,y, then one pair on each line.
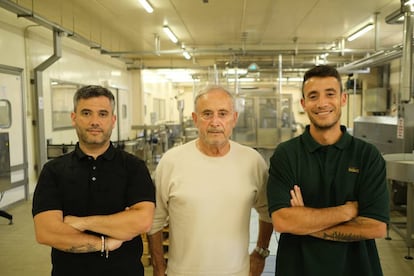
x,y
264,120
5,170
400,171
394,137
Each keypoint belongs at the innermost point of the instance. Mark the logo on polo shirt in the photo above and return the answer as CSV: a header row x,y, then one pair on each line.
x,y
353,170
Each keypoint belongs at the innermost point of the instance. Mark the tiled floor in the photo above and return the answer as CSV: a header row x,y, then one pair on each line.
x,y
20,255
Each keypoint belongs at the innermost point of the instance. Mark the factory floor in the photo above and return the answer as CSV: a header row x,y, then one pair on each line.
x,y
20,255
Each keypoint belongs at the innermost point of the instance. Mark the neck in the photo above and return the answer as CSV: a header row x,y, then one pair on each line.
x,y
326,136
93,150
213,150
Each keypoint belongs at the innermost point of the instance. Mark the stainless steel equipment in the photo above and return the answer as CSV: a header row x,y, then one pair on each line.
x,y
382,131
400,167
5,170
394,137
264,120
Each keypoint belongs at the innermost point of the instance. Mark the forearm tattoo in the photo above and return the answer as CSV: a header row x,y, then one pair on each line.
x,y
81,249
338,236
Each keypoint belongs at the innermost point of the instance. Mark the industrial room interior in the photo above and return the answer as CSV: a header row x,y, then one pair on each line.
x,y
155,62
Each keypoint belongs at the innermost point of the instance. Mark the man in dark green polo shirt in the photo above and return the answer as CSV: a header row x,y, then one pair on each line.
x,y
327,190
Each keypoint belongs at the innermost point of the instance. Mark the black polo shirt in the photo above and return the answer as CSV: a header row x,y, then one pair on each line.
x,y
349,170
79,185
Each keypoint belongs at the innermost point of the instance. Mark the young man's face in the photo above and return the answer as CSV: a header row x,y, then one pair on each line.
x,y
323,101
94,121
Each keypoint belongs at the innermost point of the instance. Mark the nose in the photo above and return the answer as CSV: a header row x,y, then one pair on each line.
x,y
95,120
216,119
322,102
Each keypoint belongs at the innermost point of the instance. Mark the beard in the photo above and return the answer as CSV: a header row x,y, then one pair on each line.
x,y
97,140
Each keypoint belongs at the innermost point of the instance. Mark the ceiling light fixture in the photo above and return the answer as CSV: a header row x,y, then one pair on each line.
x,y
409,2
186,54
361,32
170,34
396,17
146,5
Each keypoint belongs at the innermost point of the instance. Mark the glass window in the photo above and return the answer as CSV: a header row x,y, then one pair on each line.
x,y
5,114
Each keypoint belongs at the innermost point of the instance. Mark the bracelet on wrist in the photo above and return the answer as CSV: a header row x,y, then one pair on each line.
x,y
102,245
106,249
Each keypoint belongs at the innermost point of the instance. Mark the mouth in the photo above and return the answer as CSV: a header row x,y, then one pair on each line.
x,y
215,131
94,131
323,113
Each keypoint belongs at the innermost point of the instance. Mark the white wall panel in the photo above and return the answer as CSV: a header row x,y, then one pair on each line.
x,y
27,47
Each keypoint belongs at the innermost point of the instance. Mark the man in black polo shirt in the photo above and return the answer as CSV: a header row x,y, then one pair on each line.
x,y
92,204
327,190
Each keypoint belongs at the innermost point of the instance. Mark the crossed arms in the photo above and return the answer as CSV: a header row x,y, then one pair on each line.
x,y
339,223
68,233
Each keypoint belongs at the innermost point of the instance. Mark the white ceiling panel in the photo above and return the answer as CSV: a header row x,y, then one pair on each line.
x,y
224,31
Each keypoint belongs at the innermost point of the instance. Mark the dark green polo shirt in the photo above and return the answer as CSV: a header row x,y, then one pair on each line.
x,y
350,170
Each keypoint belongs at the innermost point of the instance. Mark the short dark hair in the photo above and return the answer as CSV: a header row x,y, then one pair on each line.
x,y
322,71
91,91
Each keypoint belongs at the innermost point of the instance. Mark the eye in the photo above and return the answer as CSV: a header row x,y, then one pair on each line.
x,y
207,115
223,114
103,114
86,112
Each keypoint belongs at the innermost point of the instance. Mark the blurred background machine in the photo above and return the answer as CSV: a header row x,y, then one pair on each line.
x,y
387,133
400,175
394,138
5,171
265,120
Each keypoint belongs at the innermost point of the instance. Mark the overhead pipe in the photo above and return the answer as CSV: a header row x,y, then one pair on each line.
x,y
216,75
39,103
28,14
406,60
279,101
379,57
240,52
377,31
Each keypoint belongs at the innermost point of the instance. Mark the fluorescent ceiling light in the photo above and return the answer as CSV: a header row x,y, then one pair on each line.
x,y
396,17
233,71
170,34
146,5
361,32
186,55
409,2
242,80
116,73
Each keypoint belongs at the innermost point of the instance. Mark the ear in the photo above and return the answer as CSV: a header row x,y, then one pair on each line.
x,y
235,117
302,103
72,117
344,97
194,115
113,120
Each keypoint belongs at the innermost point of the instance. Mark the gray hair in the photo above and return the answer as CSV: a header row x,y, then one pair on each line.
x,y
210,88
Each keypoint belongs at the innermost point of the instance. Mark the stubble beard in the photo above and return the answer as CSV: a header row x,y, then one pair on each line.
x,y
87,139
325,126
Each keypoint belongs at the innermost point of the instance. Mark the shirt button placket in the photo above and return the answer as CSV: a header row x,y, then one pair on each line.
x,y
93,172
